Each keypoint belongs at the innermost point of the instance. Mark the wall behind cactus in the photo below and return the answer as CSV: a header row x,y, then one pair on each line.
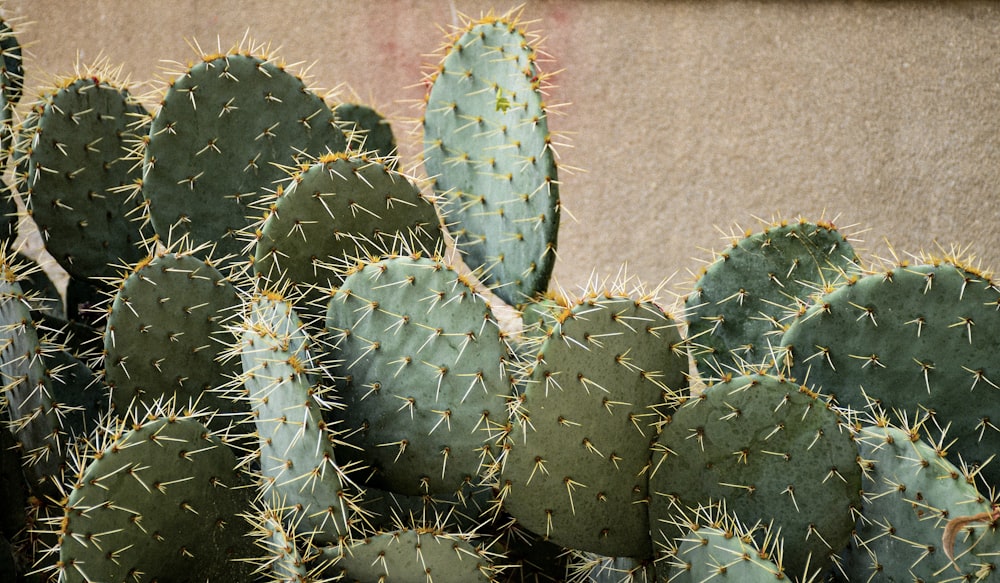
x,y
682,116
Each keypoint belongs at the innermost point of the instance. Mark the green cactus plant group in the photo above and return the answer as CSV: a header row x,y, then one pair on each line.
x,y
283,359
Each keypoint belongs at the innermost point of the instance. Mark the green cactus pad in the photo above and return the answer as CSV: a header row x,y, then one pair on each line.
x,y
11,81
297,463
741,302
488,149
77,175
159,502
368,130
164,336
337,211
911,493
423,369
775,452
921,337
411,556
223,131
714,546
576,466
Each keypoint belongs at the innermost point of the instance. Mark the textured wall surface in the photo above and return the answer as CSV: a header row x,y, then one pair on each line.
x,y
685,118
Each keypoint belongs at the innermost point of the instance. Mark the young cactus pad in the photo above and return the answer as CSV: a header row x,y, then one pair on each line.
x,y
424,379
297,463
224,130
911,494
159,502
76,170
741,301
775,452
164,336
337,210
921,337
487,146
576,466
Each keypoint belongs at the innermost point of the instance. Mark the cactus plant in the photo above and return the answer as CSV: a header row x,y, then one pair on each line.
x,y
368,131
422,374
575,467
224,129
488,148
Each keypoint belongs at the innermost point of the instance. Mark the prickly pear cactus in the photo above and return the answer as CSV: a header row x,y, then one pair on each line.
x,y
743,300
423,374
714,546
368,131
164,336
297,463
775,452
11,81
576,465
160,501
488,148
77,175
411,556
912,496
914,337
336,211
223,131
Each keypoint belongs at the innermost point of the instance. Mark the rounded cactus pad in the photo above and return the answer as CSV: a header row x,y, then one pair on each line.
x,y
164,336
576,465
411,556
918,507
78,176
368,131
160,501
423,375
914,337
336,211
487,147
775,452
297,463
743,300
225,129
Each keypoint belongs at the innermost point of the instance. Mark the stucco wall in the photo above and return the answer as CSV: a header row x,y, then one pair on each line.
x,y
682,116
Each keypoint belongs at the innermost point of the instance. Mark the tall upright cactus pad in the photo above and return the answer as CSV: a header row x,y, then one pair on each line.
x,y
224,130
411,556
912,494
297,464
368,132
577,462
488,148
164,336
423,369
160,501
712,545
742,301
775,452
77,175
920,337
336,211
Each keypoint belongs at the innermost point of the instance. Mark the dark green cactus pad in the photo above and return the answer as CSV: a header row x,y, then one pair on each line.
x,y
911,494
81,398
487,147
297,463
714,546
368,131
576,466
423,375
223,133
11,81
921,337
775,452
339,210
411,556
78,176
9,215
159,502
743,300
164,336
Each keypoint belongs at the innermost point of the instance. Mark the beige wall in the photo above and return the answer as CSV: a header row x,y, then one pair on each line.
x,y
683,115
